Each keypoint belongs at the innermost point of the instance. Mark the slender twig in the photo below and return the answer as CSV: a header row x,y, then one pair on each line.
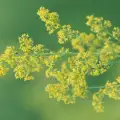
x,y
70,53
97,87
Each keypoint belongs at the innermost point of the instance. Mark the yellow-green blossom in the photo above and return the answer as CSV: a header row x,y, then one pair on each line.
x,y
66,33
3,70
51,19
116,33
26,43
90,54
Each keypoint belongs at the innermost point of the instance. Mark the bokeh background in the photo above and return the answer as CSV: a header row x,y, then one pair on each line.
x,y
21,100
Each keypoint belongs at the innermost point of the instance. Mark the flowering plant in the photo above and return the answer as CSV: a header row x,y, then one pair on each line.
x,y
92,54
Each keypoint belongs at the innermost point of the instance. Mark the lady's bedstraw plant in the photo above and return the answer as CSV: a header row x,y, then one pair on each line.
x,y
95,53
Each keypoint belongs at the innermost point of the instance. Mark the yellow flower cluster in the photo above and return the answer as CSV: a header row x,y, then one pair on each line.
x,y
71,82
9,56
26,43
51,19
112,90
96,53
38,48
3,70
25,66
116,33
23,60
97,102
118,79
52,24
109,52
98,24
66,33
59,91
86,42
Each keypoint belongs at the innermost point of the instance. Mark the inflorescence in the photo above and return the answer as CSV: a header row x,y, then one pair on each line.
x,y
95,53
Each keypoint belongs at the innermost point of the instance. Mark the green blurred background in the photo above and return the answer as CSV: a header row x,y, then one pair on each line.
x,y
21,100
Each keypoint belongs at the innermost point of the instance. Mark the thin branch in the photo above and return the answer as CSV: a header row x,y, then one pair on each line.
x,y
70,53
98,87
